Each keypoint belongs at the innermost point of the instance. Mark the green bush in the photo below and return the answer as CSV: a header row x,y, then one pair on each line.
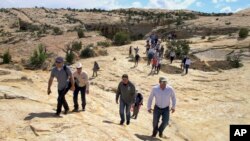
x,y
57,31
181,48
104,43
87,52
6,57
243,33
39,56
80,33
235,60
76,46
121,38
70,57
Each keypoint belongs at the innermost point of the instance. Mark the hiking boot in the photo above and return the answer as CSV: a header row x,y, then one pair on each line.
x,y
154,134
160,134
66,111
128,122
121,122
75,110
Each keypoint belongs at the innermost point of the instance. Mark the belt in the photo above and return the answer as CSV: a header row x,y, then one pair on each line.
x,y
161,108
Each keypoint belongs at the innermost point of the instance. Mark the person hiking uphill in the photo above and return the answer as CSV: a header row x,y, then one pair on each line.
x,y
62,73
137,104
126,93
95,69
162,93
82,85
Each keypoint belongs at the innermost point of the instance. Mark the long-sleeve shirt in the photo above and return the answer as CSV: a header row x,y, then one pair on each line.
x,y
126,92
82,79
162,97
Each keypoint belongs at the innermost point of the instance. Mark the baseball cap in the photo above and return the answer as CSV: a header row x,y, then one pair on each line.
x,y
163,79
59,60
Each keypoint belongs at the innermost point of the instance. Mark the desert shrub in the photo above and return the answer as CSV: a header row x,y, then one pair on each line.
x,y
235,60
203,37
39,56
104,43
76,46
80,33
6,57
181,48
57,31
121,38
243,33
87,52
70,57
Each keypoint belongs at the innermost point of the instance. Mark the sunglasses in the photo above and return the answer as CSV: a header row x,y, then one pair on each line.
x,y
58,62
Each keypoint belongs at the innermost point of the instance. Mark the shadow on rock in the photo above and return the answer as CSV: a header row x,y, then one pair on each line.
x,y
41,115
146,138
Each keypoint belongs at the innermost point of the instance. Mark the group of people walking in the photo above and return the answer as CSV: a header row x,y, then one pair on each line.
x,y
127,95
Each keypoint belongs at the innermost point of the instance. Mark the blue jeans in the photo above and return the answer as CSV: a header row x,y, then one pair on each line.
x,y
124,106
158,112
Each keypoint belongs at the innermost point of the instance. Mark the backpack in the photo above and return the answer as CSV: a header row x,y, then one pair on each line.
x,y
69,82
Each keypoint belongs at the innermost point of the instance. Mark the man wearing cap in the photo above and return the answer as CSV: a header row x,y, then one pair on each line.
x,y
82,85
62,74
126,92
162,93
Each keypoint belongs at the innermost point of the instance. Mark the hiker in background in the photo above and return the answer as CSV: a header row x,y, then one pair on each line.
x,y
172,56
137,58
156,39
82,85
130,50
147,47
150,55
158,66
95,69
62,73
187,64
183,62
161,51
154,65
137,104
136,50
126,93
162,93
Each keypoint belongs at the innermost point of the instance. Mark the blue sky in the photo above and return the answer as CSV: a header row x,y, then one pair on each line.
x,y
197,5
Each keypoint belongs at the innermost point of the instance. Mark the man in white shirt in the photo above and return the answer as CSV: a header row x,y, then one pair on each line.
x,y
162,93
82,85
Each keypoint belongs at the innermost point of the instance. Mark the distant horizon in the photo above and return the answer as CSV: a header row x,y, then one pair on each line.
x,y
204,6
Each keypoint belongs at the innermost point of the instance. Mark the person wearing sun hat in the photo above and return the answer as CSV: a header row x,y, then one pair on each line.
x,y
82,85
163,94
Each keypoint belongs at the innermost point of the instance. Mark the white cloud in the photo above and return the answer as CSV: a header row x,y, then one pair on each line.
x,y
137,4
239,9
170,4
215,1
199,4
226,9
231,0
